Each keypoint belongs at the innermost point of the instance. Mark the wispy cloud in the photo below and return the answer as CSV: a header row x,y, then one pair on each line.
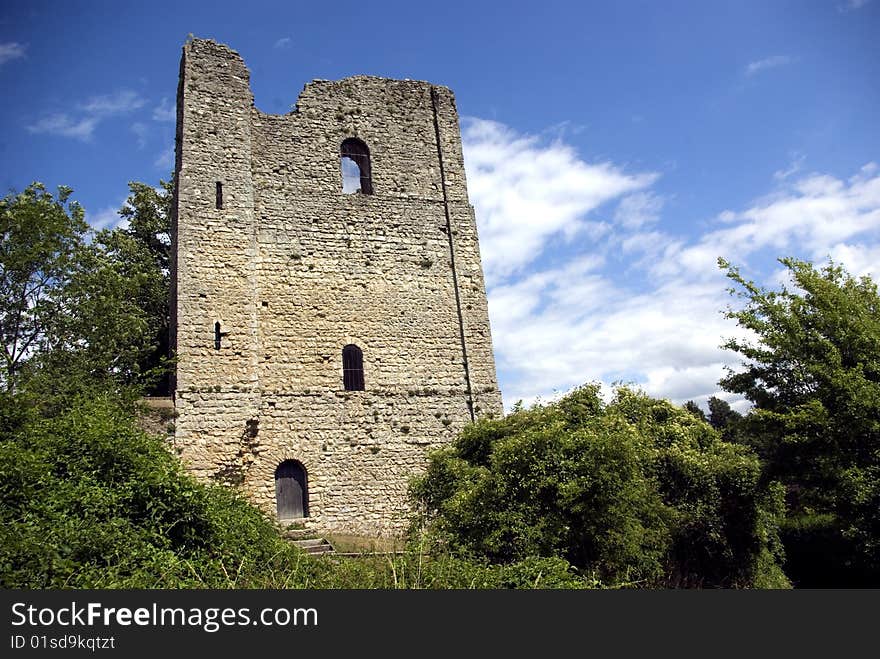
x,y
776,61
638,209
65,126
165,111
118,102
814,215
81,123
141,130
637,303
852,5
165,160
11,50
105,218
794,166
283,42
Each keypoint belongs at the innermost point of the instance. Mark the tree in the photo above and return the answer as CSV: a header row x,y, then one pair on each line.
x,y
694,409
42,240
813,374
82,309
633,491
139,252
724,419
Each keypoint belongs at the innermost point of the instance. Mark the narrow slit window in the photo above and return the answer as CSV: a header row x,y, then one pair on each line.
x,y
352,368
219,193
217,336
356,170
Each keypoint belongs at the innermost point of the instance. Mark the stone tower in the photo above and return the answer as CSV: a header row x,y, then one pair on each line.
x,y
329,310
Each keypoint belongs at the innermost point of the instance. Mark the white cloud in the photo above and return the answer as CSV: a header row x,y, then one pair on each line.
x,y
118,102
638,209
768,63
860,260
852,5
816,216
283,42
141,131
559,330
106,218
11,50
165,160
528,192
636,303
82,123
794,167
165,111
64,125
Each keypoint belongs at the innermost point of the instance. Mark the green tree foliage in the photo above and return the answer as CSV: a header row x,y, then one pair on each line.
x,y
634,491
693,408
141,253
42,240
88,500
89,307
724,419
813,374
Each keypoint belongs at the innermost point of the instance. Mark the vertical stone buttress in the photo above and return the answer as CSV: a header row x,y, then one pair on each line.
x,y
294,270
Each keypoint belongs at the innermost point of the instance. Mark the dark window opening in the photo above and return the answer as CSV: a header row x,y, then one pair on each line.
x,y
352,368
291,490
357,174
219,194
217,335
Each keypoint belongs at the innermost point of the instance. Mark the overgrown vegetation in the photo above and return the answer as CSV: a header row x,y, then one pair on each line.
x,y
83,306
91,501
813,375
633,492
87,499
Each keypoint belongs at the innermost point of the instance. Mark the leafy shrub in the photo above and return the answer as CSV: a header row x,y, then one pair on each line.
x,y
89,500
636,491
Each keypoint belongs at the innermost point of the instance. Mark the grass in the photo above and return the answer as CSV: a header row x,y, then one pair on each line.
x,y
358,544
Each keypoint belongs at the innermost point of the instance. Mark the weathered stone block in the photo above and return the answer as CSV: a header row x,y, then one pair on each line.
x,y
277,268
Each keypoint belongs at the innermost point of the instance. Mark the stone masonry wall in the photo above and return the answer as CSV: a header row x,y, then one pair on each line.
x,y
294,269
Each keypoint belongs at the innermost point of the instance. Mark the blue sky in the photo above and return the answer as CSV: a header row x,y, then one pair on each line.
x,y
614,150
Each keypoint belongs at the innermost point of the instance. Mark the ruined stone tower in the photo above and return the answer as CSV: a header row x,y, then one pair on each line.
x,y
326,339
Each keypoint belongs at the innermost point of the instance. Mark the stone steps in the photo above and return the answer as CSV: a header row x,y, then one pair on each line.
x,y
297,534
315,546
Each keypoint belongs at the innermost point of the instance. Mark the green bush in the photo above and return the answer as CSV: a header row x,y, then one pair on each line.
x,y
90,501
811,367
637,492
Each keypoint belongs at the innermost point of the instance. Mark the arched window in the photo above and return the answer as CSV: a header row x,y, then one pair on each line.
x,y
352,368
291,490
356,171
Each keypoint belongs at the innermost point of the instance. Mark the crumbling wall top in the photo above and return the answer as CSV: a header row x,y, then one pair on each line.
x,y
217,57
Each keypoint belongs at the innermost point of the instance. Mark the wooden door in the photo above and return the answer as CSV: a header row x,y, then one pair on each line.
x,y
291,492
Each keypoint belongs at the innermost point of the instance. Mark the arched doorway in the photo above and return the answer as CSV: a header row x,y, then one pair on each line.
x,y
291,490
